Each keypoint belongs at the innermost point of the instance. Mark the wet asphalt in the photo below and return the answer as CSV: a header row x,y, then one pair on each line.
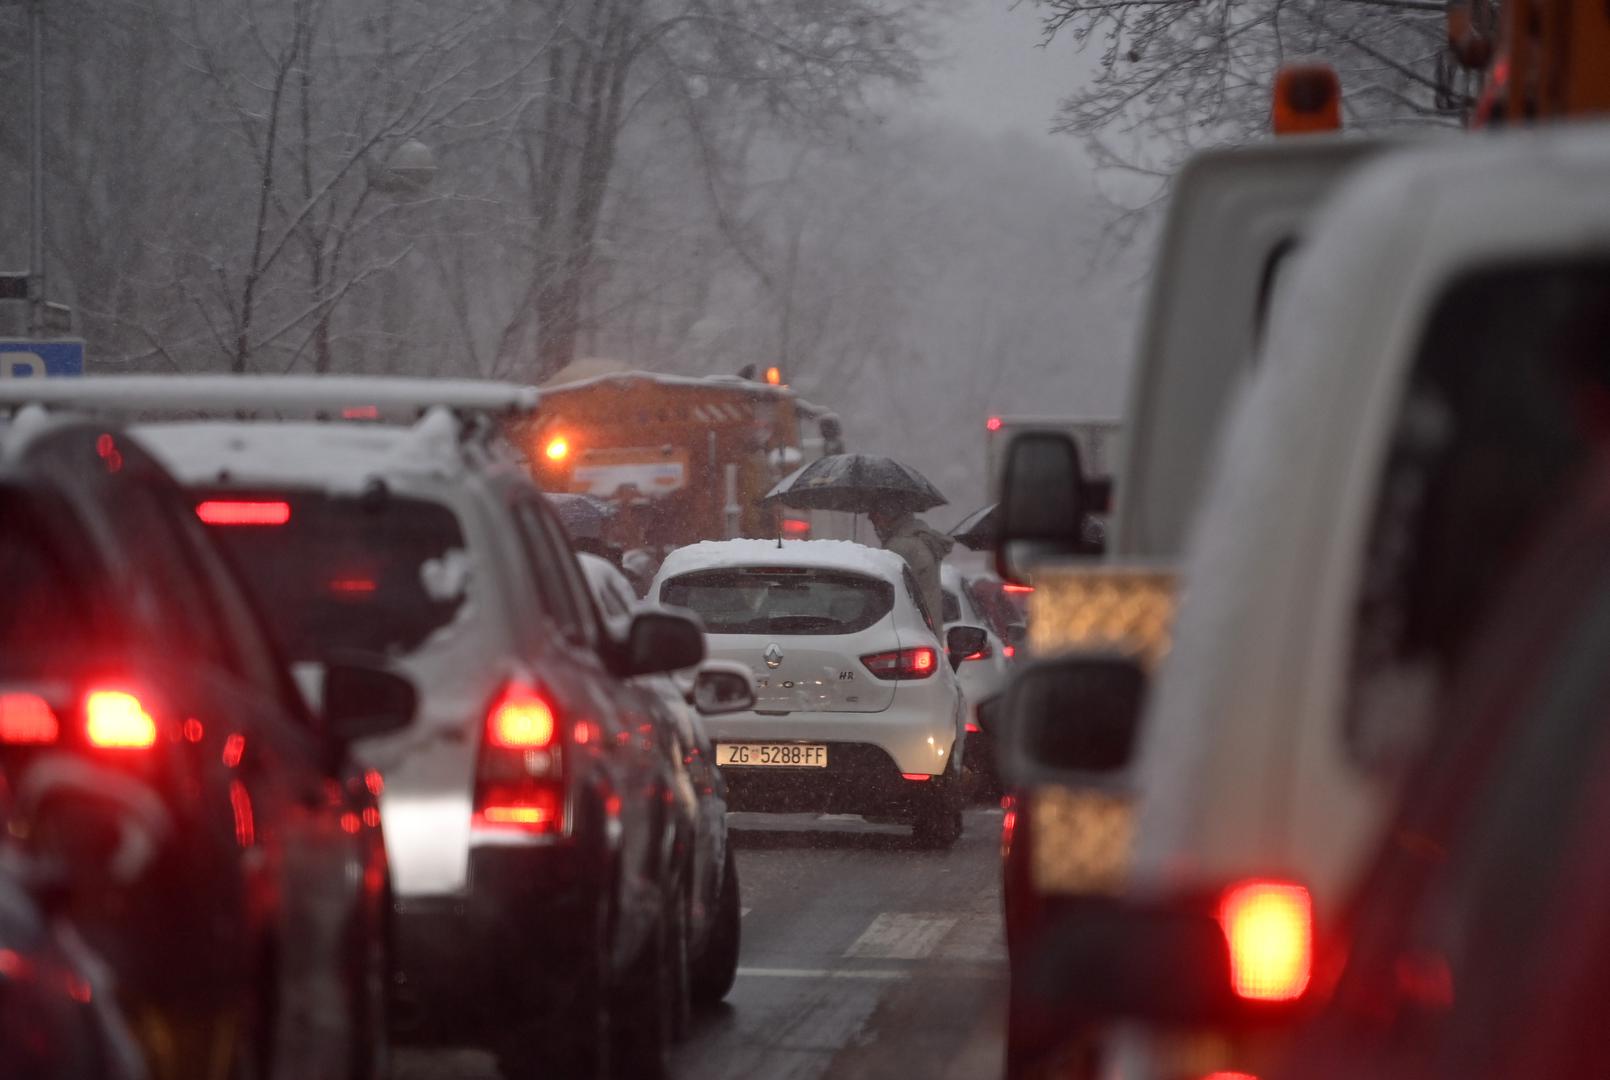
x,y
863,957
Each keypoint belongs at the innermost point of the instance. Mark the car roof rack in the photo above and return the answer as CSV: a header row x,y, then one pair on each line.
x,y
351,397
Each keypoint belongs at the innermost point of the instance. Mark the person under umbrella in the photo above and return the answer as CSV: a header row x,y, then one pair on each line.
x,y
890,494
923,548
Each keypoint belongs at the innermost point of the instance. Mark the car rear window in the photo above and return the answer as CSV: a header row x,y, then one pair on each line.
x,y
380,575
782,600
953,607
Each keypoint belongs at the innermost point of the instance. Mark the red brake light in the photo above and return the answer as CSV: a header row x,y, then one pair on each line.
x,y
796,527
115,719
361,412
520,781
974,729
27,720
1017,588
244,512
520,720
352,586
918,776
917,663
993,423
1009,651
537,809
1269,926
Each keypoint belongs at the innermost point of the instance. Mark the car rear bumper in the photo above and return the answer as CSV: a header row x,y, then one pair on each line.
x,y
858,779
913,739
470,966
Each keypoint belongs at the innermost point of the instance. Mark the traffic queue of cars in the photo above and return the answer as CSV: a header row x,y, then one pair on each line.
x,y
501,826
1333,816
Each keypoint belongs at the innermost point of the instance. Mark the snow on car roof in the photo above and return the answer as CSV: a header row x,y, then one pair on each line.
x,y
819,554
335,457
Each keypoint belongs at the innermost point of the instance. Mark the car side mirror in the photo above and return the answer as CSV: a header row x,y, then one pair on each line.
x,y
660,641
1041,512
964,641
364,700
1073,715
723,686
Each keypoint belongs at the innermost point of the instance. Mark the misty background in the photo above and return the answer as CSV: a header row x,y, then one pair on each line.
x,y
865,193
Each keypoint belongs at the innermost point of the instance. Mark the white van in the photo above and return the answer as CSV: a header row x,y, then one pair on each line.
x,y
1436,365
1236,221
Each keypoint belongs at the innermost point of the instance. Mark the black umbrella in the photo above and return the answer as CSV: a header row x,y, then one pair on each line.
x,y
976,530
583,516
856,484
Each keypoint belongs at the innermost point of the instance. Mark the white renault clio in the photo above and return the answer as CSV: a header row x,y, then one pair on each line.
x,y
858,708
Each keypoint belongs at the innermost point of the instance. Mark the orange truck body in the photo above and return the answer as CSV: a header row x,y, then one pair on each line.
x,y
684,459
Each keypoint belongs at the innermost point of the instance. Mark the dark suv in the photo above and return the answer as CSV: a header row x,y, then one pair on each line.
x,y
246,927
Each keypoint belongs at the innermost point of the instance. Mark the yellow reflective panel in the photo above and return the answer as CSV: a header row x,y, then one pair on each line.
x,y
1103,607
1081,840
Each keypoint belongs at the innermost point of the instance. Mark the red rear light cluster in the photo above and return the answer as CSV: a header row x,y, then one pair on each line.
x,y
27,720
982,654
915,663
113,719
520,720
520,782
1269,927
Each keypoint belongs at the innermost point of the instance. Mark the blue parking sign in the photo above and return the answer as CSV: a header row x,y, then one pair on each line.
x,y
22,359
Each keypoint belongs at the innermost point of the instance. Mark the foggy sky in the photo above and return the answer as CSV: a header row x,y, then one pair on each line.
x,y
996,77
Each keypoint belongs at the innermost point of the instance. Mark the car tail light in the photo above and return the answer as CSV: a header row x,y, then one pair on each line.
x,y
982,654
116,720
1269,927
917,663
520,781
795,527
973,729
520,719
1009,651
1019,590
244,511
27,720
915,776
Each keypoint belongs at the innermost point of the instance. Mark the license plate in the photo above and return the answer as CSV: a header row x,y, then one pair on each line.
x,y
787,755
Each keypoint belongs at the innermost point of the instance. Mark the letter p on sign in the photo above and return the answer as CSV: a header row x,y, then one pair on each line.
x,y
21,365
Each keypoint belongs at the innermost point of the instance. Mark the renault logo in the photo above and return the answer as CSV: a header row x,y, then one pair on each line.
x,y
773,656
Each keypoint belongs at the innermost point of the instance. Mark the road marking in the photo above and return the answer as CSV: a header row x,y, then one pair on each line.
x,y
901,937
819,973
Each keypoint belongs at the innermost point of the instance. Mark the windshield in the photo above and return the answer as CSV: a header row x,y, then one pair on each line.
x,y
780,601
351,574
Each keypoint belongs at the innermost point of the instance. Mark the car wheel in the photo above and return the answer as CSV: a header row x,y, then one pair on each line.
x,y
642,1010
717,966
680,970
250,1059
371,998
572,1040
939,821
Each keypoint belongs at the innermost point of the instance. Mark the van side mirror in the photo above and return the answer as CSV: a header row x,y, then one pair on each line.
x,y
964,641
1073,715
721,687
1043,503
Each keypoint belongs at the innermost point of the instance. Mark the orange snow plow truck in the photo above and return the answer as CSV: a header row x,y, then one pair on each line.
x,y
681,458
